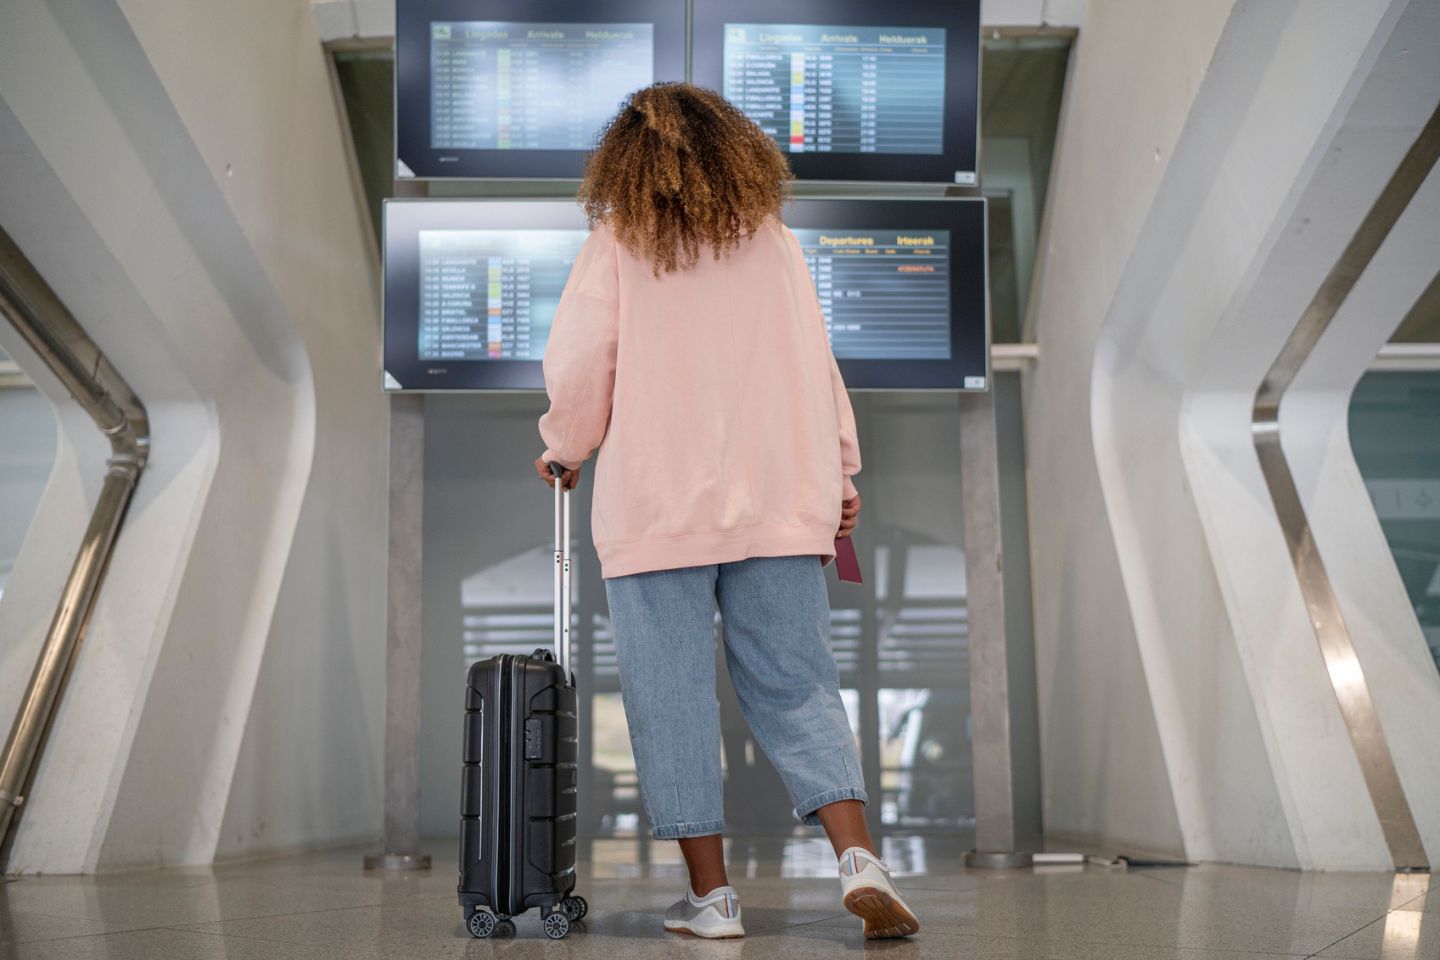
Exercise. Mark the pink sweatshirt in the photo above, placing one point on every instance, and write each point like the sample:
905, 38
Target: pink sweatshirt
724, 428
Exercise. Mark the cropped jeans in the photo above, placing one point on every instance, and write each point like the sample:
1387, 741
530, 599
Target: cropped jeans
776, 615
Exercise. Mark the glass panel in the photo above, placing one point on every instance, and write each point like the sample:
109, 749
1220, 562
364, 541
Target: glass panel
900, 639
1395, 433
1422, 323
1005, 295
1022, 80
27, 422
367, 84
616, 794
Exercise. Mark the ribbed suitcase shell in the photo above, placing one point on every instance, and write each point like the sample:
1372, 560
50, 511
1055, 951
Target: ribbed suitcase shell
518, 792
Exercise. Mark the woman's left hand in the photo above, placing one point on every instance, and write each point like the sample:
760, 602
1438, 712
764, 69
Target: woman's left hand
570, 477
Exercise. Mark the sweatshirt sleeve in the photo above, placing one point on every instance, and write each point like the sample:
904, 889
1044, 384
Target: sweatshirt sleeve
844, 414
579, 362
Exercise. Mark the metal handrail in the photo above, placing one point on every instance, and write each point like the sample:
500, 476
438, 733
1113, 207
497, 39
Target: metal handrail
49, 329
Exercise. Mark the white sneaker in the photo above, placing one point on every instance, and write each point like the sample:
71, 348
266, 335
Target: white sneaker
715, 916
870, 894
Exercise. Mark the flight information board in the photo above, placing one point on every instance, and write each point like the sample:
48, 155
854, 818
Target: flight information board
885, 294
840, 89
472, 286
520, 89
531, 86
851, 90
491, 294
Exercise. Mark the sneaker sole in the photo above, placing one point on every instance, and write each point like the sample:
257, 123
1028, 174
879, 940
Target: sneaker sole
885, 917
706, 936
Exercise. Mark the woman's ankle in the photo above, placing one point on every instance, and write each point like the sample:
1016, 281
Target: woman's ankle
844, 823
705, 861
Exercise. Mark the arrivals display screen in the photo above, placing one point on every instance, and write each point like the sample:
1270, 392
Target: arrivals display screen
846, 90
471, 288
504, 88
851, 90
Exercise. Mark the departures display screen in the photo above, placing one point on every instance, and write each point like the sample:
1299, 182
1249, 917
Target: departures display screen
472, 286
885, 294
840, 89
532, 86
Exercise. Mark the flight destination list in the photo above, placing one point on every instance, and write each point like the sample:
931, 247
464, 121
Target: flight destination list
885, 294
840, 89
491, 294
531, 86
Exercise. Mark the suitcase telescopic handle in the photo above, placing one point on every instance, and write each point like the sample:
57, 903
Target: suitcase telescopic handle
562, 570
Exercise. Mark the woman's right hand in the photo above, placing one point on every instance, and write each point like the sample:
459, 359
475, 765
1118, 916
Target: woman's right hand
849, 513
570, 477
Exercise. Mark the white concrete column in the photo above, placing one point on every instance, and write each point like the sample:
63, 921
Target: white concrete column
1164, 295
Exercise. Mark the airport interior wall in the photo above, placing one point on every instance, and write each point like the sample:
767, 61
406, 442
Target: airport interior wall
177, 173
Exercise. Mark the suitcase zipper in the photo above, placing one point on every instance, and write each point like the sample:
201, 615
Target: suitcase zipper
502, 785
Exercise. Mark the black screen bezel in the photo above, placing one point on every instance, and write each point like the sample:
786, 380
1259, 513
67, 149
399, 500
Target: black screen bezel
412, 80
964, 217
959, 160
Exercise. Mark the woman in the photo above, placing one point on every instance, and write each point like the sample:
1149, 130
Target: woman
689, 348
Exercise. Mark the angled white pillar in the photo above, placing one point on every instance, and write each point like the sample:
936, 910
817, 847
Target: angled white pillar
1164, 296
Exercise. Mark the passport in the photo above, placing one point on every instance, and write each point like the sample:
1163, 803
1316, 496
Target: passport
847, 565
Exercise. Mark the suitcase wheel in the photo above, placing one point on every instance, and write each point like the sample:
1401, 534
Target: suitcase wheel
575, 907
556, 925
481, 924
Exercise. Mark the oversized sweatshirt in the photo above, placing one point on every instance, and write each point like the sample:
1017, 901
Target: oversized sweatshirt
723, 426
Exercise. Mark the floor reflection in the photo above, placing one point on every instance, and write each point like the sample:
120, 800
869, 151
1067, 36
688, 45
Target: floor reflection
1405, 921
323, 905
773, 856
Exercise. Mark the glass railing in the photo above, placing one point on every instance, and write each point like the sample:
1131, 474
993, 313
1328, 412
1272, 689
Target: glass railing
1395, 434
27, 455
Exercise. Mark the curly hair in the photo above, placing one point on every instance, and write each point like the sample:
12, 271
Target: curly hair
680, 168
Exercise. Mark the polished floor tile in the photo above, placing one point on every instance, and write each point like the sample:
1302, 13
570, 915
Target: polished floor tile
17, 927
324, 906
163, 944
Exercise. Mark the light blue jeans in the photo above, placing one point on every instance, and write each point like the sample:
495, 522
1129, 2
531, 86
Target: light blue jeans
776, 615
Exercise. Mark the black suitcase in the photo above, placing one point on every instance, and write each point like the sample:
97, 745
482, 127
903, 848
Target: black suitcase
518, 789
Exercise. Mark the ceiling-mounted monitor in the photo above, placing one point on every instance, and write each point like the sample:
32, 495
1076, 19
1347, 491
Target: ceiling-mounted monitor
518, 89
852, 90
471, 288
